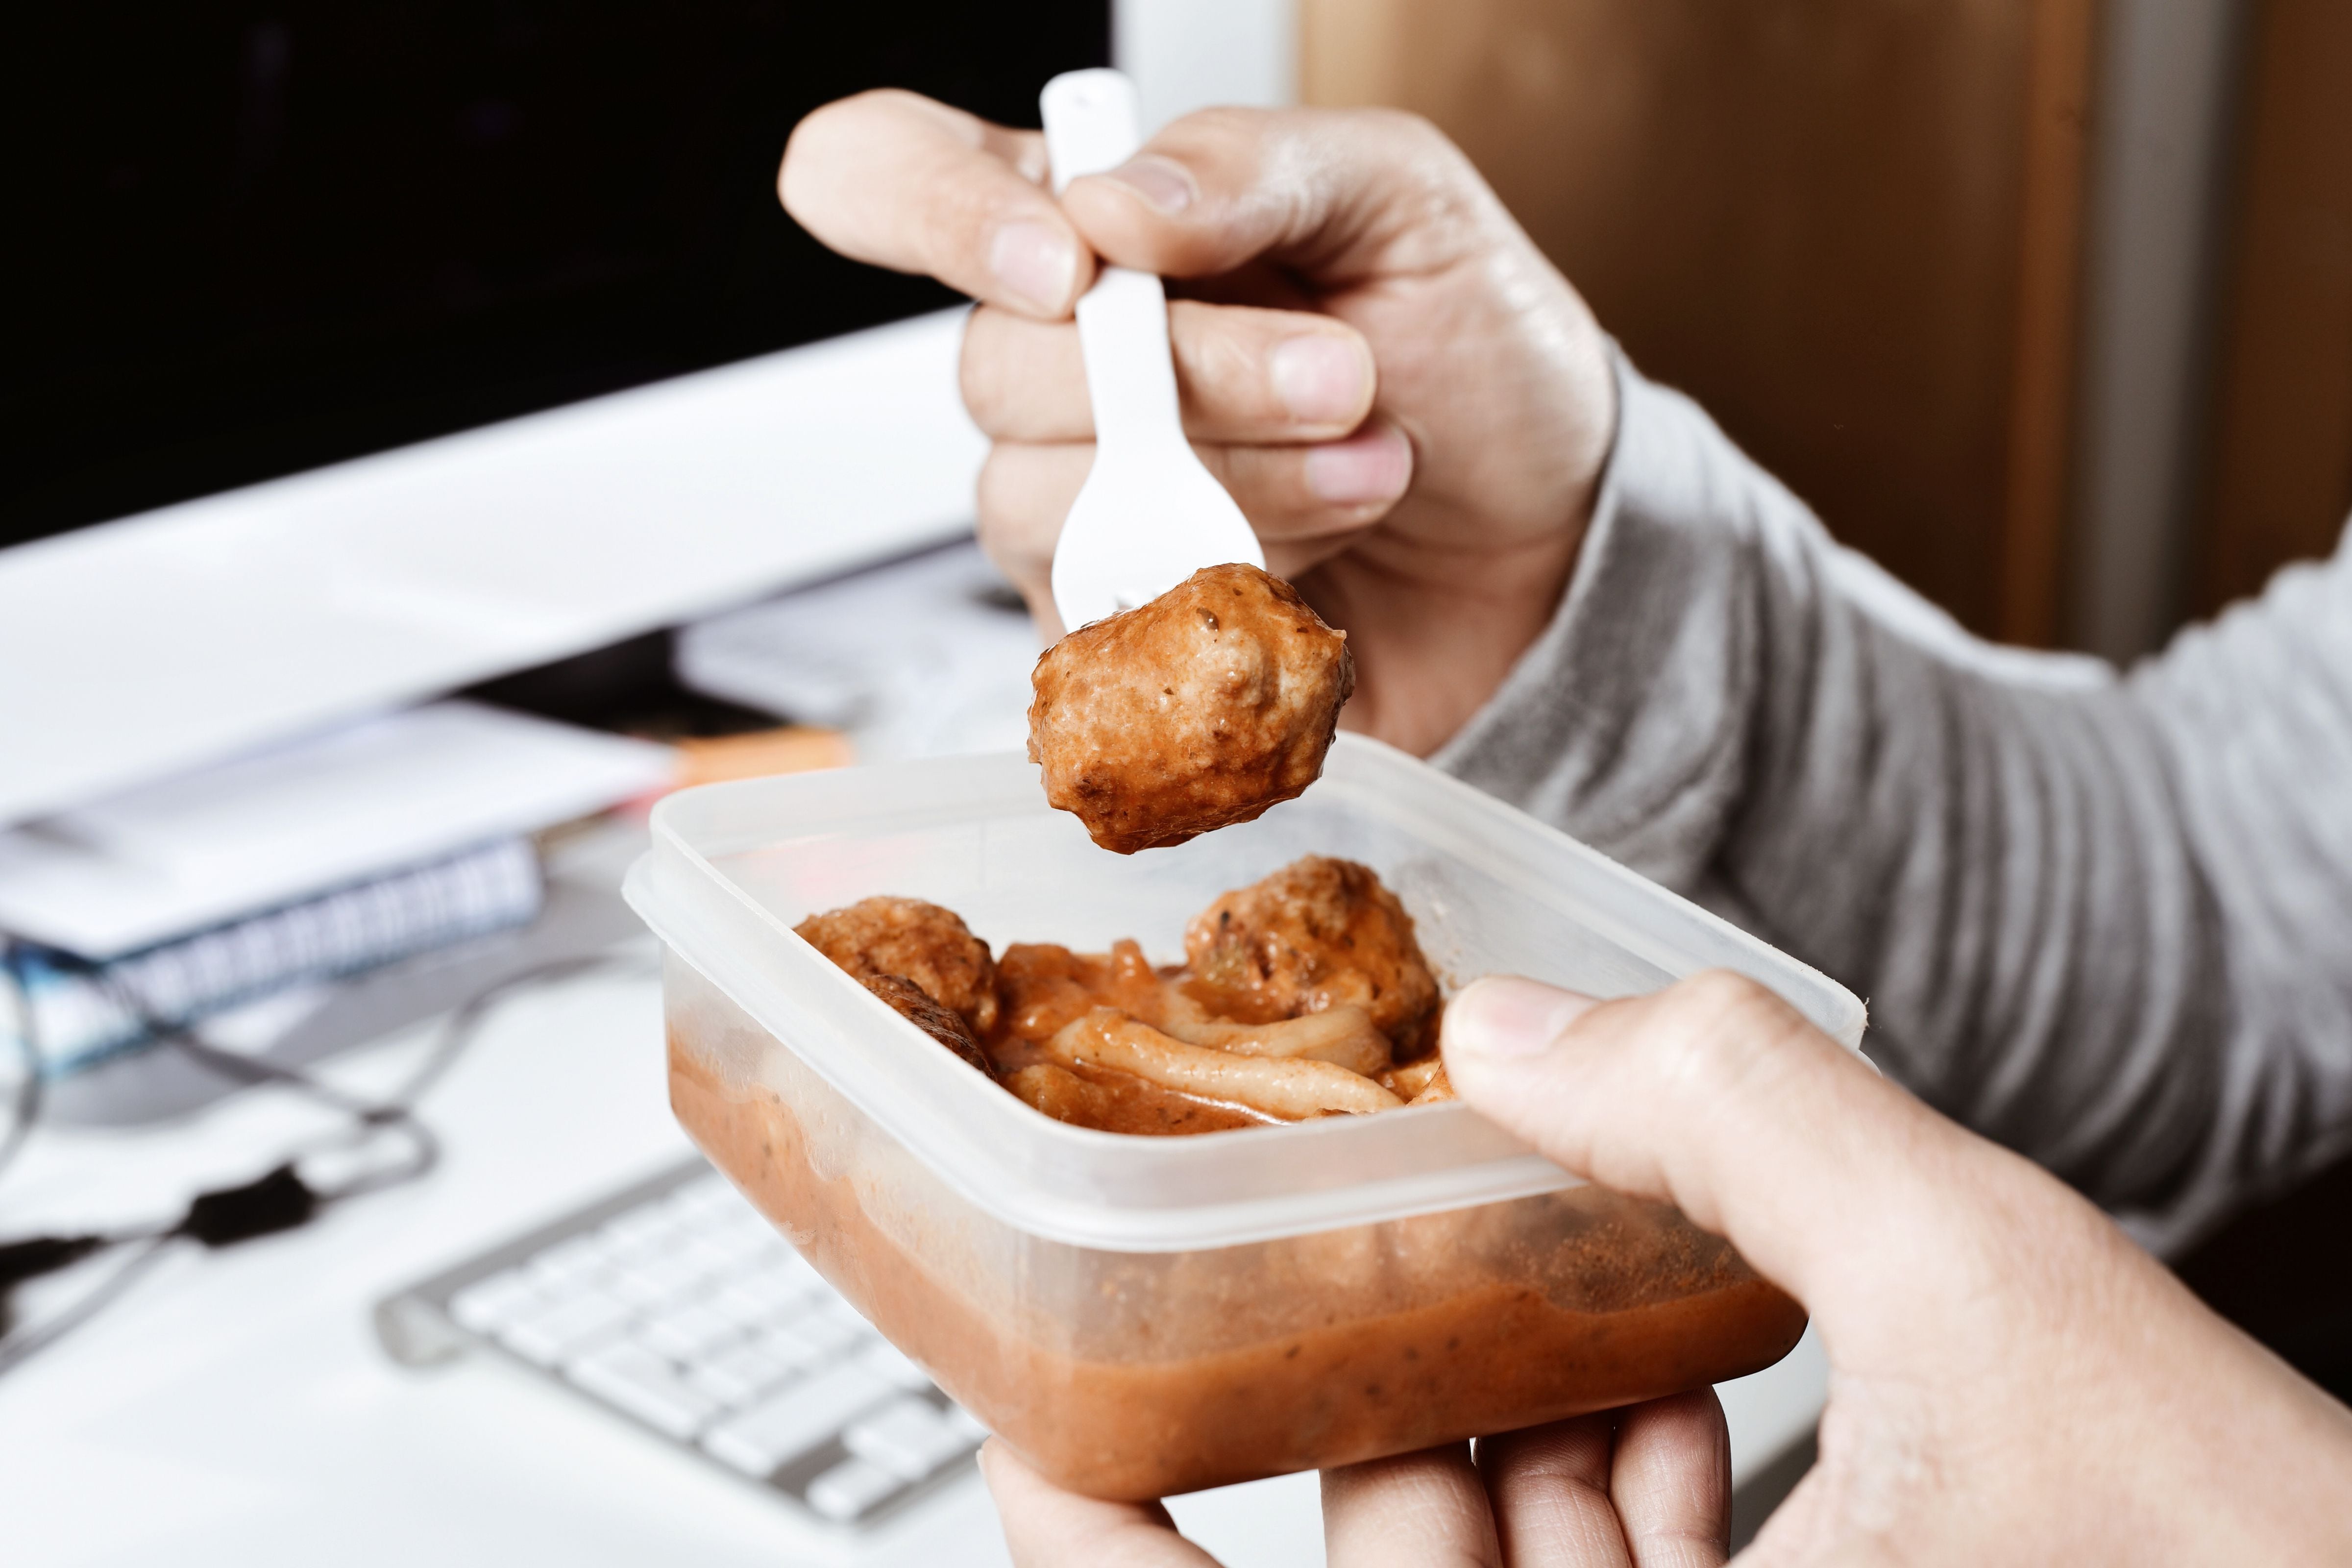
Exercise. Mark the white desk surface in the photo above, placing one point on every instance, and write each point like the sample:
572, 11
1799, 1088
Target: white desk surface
234, 1407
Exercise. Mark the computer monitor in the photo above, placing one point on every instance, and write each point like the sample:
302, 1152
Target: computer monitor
369, 351
257, 241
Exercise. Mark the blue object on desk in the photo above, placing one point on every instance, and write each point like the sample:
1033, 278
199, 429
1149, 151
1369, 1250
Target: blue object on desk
84, 1012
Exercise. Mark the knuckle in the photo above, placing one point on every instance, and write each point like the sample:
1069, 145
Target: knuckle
977, 377
1262, 480
826, 141
820, 123
860, 111
944, 234
1207, 130
806, 144
1231, 469
840, 118
1022, 494
1414, 140
1019, 378
1722, 1022
1007, 542
995, 495
1408, 126
1725, 992
999, 541
1220, 366
1433, 164
885, 98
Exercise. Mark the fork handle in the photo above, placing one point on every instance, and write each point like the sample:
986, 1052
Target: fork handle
1092, 124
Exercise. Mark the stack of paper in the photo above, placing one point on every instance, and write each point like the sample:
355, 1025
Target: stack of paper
379, 841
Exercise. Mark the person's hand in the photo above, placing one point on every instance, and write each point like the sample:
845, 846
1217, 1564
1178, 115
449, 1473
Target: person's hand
2010, 1380
1646, 1486
1408, 401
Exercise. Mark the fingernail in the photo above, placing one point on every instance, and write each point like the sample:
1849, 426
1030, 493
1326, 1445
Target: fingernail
1374, 466
1164, 183
1035, 262
1319, 378
1507, 1018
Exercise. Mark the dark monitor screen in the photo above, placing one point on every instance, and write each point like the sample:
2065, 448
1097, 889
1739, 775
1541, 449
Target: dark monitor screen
247, 240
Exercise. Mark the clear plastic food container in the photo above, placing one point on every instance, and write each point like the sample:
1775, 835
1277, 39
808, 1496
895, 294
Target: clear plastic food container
1145, 1316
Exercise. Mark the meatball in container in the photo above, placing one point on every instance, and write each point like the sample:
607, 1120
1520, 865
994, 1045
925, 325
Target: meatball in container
1141, 1316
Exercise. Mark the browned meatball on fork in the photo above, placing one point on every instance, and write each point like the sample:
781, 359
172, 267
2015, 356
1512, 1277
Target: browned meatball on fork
1197, 711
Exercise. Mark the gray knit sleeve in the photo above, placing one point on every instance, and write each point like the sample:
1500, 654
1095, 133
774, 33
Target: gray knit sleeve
2104, 920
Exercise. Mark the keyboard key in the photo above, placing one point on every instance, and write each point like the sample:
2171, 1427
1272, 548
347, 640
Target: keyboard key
849, 1489
487, 1304
789, 1348
890, 1363
965, 1422
666, 1277
701, 1250
653, 1223
739, 1375
740, 1306
650, 1290
566, 1327
580, 1257
689, 1331
690, 1314
908, 1437
794, 1419
649, 1243
646, 1386
814, 1336
784, 1282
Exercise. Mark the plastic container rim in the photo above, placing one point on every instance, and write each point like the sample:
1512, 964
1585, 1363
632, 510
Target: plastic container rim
1032, 1172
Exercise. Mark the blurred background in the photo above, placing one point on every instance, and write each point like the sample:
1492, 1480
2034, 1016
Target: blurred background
424, 440
2043, 303
277, 239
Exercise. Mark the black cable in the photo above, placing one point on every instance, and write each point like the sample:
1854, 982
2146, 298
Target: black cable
21, 1347
368, 1117
397, 1109
279, 1200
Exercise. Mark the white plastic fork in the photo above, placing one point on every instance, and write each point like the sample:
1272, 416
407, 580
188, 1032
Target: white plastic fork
1149, 515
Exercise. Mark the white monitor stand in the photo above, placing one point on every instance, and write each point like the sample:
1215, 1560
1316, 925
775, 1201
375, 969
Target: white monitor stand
179, 636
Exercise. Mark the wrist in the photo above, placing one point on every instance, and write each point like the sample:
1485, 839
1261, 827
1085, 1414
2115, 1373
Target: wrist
1433, 643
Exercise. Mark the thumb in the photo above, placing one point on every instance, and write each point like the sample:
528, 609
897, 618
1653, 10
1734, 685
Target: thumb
1718, 1096
1328, 193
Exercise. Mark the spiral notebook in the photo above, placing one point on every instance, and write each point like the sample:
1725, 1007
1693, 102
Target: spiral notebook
81, 1012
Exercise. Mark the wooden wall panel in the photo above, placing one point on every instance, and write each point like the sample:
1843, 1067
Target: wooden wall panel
1829, 220
2045, 332
2282, 474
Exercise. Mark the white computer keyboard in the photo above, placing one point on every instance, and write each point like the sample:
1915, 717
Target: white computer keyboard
677, 1305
